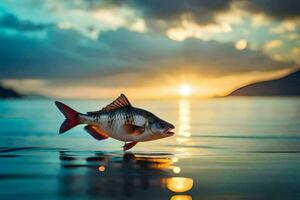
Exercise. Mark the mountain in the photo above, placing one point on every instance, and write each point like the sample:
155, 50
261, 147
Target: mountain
8, 93
286, 86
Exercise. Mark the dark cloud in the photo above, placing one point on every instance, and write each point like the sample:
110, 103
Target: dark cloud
65, 54
279, 9
160, 15
59, 55
201, 12
10, 21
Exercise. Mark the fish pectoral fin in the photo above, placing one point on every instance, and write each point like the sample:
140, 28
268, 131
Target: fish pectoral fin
133, 129
129, 145
95, 132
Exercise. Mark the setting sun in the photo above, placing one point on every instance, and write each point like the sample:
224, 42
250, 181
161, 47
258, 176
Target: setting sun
185, 90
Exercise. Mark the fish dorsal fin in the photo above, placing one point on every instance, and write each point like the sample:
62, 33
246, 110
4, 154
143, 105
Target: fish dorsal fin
120, 102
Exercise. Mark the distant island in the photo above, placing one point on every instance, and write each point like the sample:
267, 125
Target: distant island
6, 93
286, 86
9, 93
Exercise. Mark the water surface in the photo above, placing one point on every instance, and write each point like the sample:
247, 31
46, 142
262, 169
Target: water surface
233, 148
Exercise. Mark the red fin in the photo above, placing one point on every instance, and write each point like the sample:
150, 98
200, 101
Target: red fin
95, 132
71, 117
129, 145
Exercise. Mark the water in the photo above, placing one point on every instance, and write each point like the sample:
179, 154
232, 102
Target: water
227, 148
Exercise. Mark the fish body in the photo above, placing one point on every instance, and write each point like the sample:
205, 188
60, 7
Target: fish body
118, 120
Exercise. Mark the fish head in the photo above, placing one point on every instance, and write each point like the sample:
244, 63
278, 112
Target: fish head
160, 128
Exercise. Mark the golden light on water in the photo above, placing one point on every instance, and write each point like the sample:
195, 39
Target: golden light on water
176, 170
185, 90
101, 168
175, 159
179, 184
181, 197
184, 121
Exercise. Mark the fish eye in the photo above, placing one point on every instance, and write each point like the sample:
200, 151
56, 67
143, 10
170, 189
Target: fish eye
162, 125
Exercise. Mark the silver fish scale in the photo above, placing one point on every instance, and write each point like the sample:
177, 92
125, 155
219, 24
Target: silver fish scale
132, 117
113, 122
117, 123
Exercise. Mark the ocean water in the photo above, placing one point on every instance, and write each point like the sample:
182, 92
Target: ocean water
225, 148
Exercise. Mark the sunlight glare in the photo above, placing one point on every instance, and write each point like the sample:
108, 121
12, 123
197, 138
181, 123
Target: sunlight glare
176, 170
185, 90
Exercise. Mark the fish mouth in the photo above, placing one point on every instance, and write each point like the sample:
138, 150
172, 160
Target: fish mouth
170, 132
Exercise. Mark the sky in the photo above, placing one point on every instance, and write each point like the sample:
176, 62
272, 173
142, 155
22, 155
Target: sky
89, 49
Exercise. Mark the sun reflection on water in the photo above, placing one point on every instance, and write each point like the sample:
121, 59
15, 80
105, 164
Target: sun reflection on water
181, 197
179, 184
130, 171
184, 121
101, 168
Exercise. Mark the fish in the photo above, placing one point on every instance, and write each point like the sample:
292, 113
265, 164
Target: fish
118, 120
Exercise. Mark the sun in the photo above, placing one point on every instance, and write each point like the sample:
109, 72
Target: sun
185, 90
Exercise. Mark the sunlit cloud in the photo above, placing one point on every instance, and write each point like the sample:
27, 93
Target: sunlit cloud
190, 29
273, 44
241, 44
293, 36
283, 27
232, 16
277, 57
259, 20
296, 51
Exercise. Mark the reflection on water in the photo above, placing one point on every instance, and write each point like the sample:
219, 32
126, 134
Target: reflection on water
179, 184
117, 175
181, 197
184, 121
184, 118
233, 143
101, 168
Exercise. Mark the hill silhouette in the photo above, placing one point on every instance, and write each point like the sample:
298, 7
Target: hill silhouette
8, 93
285, 86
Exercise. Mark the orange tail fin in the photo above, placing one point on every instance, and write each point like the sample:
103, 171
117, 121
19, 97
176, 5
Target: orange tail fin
71, 117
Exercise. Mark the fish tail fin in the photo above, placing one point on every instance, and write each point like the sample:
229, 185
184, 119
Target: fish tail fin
71, 115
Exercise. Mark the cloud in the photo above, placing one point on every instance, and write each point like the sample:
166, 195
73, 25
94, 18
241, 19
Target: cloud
283, 27
241, 44
202, 12
89, 18
278, 9
10, 21
163, 14
158, 14
273, 44
66, 54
